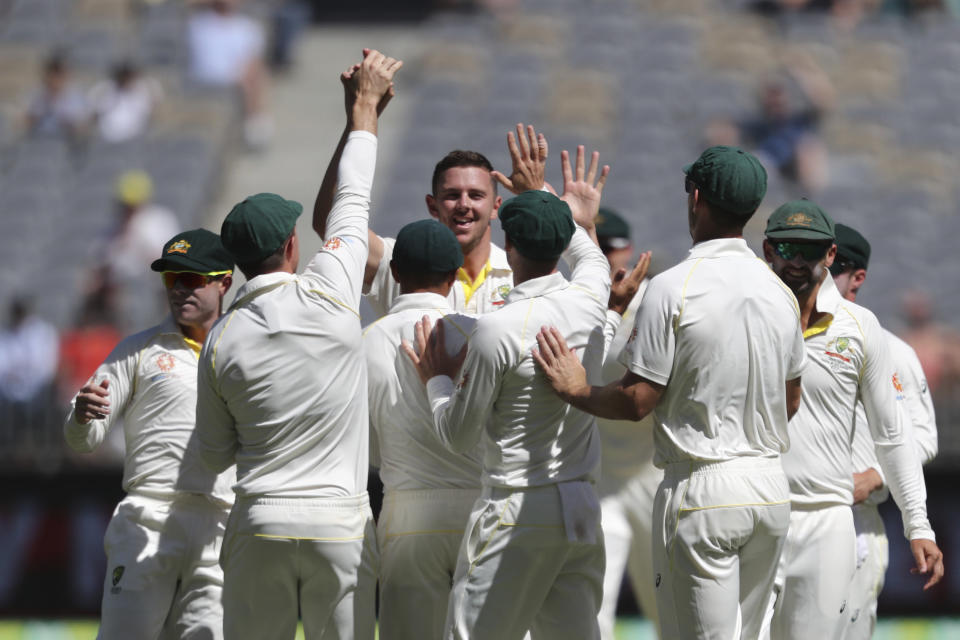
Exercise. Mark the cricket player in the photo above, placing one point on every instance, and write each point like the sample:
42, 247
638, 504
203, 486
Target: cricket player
849, 360
429, 490
277, 393
532, 555
464, 198
849, 271
164, 538
628, 478
716, 354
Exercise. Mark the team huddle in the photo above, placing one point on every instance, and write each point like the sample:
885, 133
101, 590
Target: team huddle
749, 416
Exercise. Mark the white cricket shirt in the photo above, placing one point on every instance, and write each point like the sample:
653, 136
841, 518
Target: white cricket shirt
849, 358
485, 294
920, 427
530, 436
722, 333
153, 393
282, 381
411, 454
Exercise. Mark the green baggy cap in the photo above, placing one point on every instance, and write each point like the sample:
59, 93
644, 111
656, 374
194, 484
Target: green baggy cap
800, 220
197, 250
427, 246
613, 231
255, 228
538, 224
729, 178
851, 247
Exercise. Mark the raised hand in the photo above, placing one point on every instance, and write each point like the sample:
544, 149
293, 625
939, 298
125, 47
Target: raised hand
582, 191
624, 286
528, 154
93, 401
371, 83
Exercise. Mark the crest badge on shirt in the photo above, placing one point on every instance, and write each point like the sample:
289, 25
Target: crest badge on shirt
165, 362
499, 296
333, 244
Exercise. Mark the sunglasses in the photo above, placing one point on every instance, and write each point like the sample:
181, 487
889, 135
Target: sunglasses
807, 251
188, 279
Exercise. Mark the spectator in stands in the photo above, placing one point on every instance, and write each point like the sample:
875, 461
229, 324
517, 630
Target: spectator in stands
227, 50
57, 108
937, 346
132, 245
123, 105
28, 363
785, 132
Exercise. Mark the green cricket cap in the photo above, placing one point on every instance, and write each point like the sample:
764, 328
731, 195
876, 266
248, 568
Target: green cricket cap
427, 246
800, 220
729, 178
197, 250
613, 231
538, 224
852, 247
255, 228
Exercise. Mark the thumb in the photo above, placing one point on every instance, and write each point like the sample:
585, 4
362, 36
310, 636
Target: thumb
104, 383
620, 274
502, 179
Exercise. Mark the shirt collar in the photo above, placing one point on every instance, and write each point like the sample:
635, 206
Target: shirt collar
169, 326
721, 248
421, 300
498, 259
829, 302
261, 284
537, 287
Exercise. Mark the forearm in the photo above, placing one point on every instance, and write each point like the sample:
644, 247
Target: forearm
363, 114
588, 266
355, 173
904, 477
456, 435
328, 187
613, 402
83, 438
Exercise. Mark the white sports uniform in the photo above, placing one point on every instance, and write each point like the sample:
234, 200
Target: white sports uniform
722, 333
280, 391
532, 555
872, 545
848, 358
485, 294
429, 491
164, 539
628, 484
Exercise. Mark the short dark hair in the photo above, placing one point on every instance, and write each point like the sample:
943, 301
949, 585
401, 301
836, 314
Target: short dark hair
272, 262
414, 280
460, 158
728, 220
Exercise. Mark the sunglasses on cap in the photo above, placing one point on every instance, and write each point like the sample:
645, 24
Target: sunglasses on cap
811, 252
189, 279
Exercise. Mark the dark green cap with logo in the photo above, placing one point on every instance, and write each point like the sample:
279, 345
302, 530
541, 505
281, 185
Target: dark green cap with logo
427, 246
729, 178
800, 220
255, 228
613, 231
538, 224
852, 248
197, 251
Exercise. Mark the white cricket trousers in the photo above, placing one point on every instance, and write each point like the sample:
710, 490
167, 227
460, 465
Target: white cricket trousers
530, 560
718, 532
809, 598
627, 518
312, 556
163, 580
873, 555
419, 534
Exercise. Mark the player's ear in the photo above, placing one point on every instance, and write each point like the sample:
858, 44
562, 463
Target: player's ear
225, 283
432, 206
496, 207
831, 256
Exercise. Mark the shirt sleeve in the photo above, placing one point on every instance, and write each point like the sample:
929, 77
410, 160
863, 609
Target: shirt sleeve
652, 343
216, 427
885, 417
610, 327
798, 355
461, 412
589, 268
384, 289
119, 369
339, 266
919, 403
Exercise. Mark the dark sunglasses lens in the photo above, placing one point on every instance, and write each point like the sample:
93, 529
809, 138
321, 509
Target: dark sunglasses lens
188, 280
809, 252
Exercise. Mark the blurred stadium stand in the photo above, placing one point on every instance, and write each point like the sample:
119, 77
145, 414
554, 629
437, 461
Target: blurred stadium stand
640, 80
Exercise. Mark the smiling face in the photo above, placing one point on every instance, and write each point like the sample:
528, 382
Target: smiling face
466, 202
801, 264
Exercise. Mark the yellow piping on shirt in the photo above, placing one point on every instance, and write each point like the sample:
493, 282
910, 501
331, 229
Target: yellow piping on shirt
523, 331
213, 355
470, 286
683, 295
335, 301
275, 537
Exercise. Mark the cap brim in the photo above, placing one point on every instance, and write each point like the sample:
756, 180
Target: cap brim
800, 234
686, 168
183, 263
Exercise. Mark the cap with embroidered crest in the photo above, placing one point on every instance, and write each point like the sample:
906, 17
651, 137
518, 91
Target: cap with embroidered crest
197, 251
800, 220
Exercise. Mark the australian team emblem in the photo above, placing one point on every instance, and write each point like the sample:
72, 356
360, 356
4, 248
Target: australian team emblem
799, 220
180, 246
